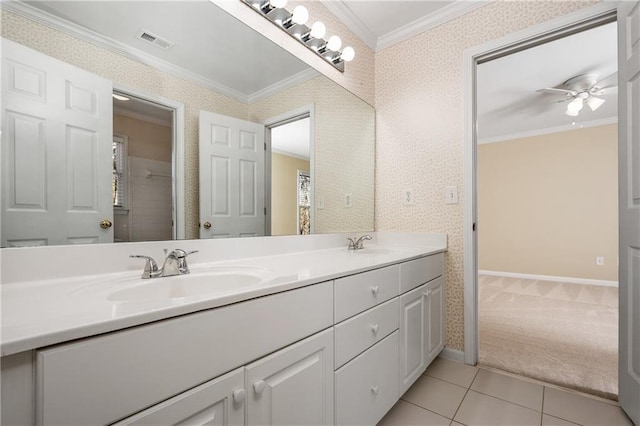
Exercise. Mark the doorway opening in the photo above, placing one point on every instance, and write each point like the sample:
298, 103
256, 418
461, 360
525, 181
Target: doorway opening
146, 146
290, 173
523, 272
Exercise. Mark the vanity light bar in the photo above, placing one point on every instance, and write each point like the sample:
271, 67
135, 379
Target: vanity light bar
312, 37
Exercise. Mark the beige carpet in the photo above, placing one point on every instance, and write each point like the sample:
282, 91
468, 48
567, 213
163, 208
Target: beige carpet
565, 334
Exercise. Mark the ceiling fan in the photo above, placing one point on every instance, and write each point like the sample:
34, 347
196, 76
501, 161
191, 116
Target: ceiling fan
583, 89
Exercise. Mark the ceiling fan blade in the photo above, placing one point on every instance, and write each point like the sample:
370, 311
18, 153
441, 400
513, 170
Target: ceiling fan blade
556, 91
594, 102
609, 81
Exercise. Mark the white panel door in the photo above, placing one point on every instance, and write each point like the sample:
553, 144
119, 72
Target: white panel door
629, 206
219, 402
56, 151
231, 177
414, 337
293, 386
435, 322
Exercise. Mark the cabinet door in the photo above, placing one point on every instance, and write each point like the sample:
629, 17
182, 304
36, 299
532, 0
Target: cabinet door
293, 386
436, 308
413, 336
214, 403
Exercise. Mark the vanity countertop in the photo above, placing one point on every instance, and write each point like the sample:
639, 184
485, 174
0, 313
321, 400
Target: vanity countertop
45, 312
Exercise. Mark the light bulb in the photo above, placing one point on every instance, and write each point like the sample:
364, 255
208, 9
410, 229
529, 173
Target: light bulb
571, 113
348, 54
334, 43
300, 15
318, 30
278, 4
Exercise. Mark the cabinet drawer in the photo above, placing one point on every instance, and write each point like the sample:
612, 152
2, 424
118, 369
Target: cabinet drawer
109, 377
356, 334
367, 386
359, 292
419, 271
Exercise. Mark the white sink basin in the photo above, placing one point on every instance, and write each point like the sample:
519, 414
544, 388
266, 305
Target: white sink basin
203, 283
374, 250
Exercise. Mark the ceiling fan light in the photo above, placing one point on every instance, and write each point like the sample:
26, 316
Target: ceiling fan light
576, 105
571, 113
595, 103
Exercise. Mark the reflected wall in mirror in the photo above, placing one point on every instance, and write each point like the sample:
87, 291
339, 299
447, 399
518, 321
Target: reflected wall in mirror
237, 73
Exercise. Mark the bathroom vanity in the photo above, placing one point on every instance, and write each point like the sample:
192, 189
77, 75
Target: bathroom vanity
323, 335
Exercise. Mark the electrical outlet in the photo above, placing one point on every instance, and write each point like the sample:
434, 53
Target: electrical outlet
407, 197
348, 201
452, 194
320, 202
600, 260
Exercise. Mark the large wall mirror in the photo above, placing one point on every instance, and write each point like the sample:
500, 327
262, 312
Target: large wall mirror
139, 121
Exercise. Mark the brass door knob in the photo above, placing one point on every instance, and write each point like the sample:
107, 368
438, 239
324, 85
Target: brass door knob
207, 225
105, 224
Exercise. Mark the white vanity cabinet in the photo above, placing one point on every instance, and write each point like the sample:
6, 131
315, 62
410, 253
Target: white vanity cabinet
421, 320
106, 378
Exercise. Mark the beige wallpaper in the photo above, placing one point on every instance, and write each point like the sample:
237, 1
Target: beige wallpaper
139, 76
145, 140
344, 150
284, 193
418, 92
548, 205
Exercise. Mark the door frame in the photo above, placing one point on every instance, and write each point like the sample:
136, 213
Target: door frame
278, 120
177, 153
556, 28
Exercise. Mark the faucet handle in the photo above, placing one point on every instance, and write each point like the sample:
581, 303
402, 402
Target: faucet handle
179, 253
150, 266
352, 244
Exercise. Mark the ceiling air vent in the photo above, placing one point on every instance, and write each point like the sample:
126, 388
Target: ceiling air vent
155, 40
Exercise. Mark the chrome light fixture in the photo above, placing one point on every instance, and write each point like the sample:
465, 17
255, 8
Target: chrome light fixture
295, 24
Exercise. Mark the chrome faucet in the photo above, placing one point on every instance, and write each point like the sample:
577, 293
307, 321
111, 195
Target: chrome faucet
175, 263
358, 244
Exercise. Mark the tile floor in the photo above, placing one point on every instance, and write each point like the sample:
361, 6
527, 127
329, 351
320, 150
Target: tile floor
452, 393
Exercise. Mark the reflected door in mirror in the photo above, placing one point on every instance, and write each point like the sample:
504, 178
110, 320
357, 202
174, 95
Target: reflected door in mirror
231, 177
56, 151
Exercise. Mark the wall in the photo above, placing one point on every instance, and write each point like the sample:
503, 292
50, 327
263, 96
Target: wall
284, 193
548, 205
343, 152
419, 128
146, 140
136, 75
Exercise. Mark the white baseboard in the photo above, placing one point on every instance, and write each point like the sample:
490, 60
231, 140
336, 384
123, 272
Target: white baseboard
452, 354
570, 280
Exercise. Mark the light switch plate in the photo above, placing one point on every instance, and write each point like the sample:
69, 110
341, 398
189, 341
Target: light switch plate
452, 194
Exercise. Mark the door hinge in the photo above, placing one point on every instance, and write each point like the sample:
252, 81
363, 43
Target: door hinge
265, 146
265, 211
474, 227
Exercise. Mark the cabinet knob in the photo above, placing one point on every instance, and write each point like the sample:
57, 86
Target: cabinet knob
239, 395
259, 386
375, 289
374, 328
374, 389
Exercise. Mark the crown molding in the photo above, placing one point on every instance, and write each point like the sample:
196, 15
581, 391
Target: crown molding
351, 20
289, 154
439, 17
340, 9
549, 130
281, 85
56, 23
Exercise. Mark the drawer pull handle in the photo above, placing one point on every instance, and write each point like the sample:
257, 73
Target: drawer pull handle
374, 390
374, 328
239, 395
375, 289
259, 386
